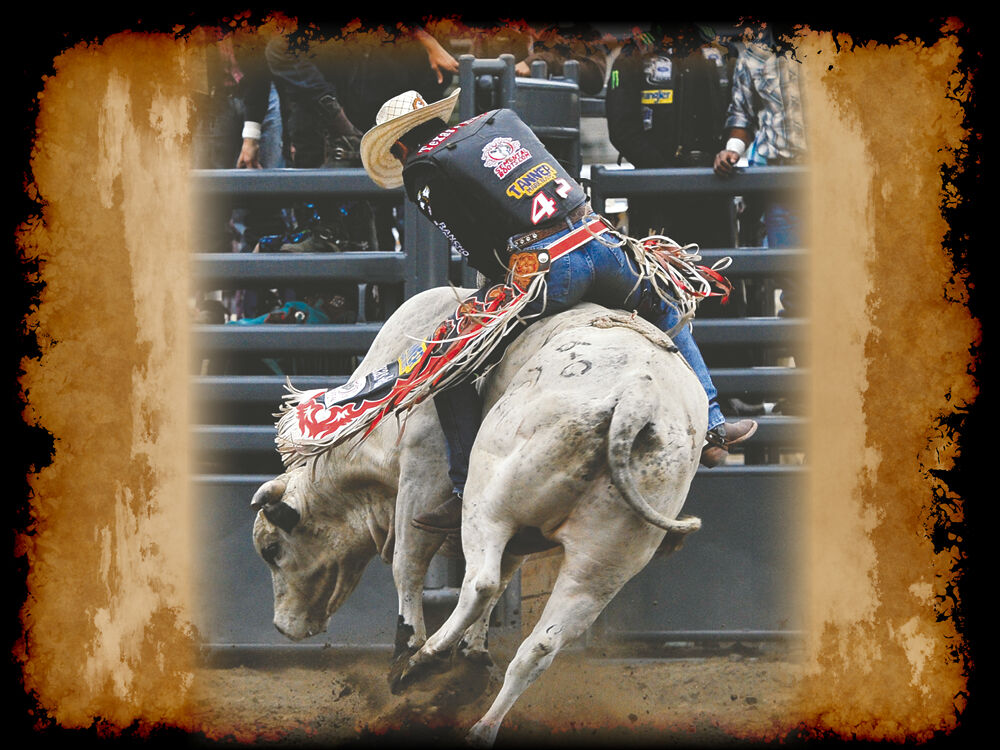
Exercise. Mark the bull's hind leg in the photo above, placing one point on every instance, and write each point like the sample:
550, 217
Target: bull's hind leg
582, 590
487, 571
472, 666
475, 639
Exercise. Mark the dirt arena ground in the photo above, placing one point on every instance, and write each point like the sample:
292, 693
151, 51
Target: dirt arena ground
720, 696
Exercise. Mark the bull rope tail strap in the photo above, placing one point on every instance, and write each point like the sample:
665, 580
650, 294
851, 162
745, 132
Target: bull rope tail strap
312, 422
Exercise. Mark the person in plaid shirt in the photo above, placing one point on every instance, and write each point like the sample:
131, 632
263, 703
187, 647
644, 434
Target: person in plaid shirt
766, 123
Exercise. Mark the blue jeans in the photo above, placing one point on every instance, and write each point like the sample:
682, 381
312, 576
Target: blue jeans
783, 230
592, 273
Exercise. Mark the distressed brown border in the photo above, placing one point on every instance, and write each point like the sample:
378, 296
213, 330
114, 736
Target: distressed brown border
895, 334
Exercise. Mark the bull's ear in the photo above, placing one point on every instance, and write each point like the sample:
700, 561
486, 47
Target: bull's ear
282, 515
268, 493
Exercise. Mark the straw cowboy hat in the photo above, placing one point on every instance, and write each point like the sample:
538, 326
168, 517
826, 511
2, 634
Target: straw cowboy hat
397, 116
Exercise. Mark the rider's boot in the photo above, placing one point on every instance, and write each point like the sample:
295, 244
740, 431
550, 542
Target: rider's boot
718, 440
444, 518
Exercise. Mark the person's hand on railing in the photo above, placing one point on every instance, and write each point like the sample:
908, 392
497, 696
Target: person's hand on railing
249, 157
728, 157
725, 162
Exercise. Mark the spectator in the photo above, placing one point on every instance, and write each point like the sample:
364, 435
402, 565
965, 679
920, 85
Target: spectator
551, 43
666, 105
555, 44
238, 113
334, 84
238, 125
766, 123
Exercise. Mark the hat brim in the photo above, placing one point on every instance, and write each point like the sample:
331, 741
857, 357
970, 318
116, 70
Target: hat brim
385, 169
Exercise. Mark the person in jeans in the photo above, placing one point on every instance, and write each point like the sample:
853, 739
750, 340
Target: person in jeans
766, 123
505, 203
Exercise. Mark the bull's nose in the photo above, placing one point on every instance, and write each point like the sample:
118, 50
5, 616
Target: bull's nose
294, 636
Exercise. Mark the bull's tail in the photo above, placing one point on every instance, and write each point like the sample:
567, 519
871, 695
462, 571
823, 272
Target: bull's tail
629, 417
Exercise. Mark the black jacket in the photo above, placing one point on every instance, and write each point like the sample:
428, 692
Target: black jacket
666, 109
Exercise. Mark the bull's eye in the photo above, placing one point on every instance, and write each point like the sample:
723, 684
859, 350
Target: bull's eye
270, 553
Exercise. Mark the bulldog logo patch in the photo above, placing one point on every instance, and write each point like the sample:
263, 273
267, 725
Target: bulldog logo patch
504, 154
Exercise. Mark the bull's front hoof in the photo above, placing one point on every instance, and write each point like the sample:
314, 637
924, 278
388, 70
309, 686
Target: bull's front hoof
397, 668
415, 669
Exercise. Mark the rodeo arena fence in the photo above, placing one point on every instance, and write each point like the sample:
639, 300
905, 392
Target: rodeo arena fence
732, 583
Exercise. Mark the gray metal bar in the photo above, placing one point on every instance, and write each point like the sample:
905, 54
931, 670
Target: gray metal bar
228, 270
256, 388
233, 438
357, 338
446, 595
273, 339
571, 71
555, 131
508, 81
756, 261
270, 388
233, 481
469, 67
221, 655
608, 183
592, 106
749, 331
779, 430
233, 187
783, 380
722, 474
748, 262
236, 185
746, 481
239, 438
467, 86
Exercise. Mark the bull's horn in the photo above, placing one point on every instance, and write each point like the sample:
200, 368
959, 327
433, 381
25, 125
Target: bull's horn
282, 515
268, 493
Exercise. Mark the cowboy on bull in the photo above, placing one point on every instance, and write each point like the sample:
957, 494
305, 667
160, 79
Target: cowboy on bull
506, 204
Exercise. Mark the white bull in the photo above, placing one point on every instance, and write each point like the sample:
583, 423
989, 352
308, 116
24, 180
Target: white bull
593, 430
322, 523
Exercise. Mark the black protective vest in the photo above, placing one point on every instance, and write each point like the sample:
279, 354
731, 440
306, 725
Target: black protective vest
487, 179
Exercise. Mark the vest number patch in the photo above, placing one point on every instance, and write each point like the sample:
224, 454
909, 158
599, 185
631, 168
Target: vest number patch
542, 208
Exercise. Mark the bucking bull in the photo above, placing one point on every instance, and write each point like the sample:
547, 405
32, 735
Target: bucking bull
592, 431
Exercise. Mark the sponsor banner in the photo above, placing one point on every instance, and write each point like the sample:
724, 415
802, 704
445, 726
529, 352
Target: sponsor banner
532, 181
657, 96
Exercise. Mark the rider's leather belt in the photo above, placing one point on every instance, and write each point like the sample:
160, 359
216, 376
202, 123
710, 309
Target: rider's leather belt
524, 266
529, 238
